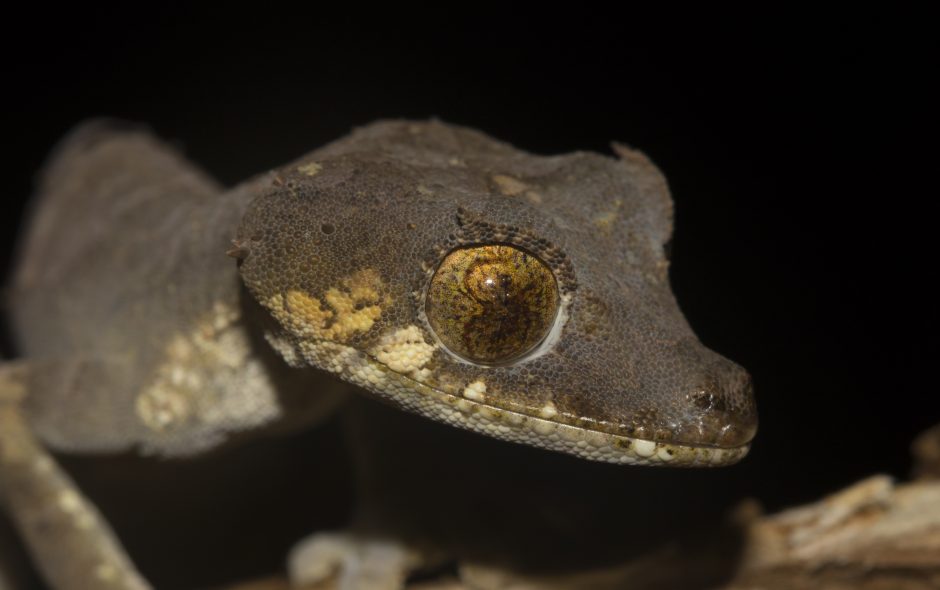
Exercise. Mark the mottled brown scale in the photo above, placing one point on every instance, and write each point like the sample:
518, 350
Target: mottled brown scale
493, 303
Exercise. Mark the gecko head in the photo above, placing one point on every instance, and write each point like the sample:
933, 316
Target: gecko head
519, 296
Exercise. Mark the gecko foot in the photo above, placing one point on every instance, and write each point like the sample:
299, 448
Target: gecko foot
352, 562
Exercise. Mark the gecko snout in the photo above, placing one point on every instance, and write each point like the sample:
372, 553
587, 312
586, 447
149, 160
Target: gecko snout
721, 407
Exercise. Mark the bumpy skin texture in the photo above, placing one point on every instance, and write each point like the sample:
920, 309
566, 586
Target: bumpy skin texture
342, 246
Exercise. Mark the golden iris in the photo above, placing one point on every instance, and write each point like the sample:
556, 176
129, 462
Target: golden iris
492, 304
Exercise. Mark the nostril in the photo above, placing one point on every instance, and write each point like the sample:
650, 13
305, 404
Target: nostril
722, 408
708, 401
726, 390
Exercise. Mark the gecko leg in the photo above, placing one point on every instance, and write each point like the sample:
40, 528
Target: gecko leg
73, 547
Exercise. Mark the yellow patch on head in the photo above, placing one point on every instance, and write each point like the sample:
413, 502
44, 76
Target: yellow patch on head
302, 313
352, 308
310, 169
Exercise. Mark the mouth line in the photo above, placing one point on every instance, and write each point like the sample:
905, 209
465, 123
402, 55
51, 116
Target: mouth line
513, 426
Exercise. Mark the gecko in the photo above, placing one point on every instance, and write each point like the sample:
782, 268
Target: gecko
425, 265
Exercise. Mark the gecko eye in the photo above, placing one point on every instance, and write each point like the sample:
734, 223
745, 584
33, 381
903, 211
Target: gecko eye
491, 304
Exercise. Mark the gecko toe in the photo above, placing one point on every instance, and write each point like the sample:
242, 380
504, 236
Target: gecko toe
350, 562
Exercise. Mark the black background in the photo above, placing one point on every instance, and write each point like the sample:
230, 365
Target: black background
800, 152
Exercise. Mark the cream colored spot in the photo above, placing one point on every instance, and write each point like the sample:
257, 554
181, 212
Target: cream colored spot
209, 380
422, 375
548, 411
509, 186
310, 169
404, 351
644, 448
475, 391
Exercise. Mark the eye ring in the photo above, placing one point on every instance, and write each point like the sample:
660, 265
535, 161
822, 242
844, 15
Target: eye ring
492, 304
